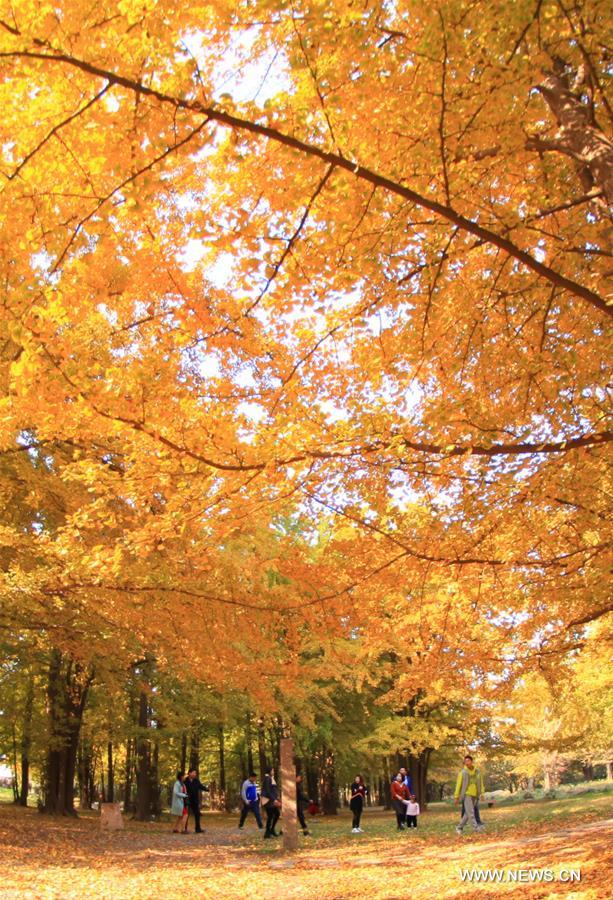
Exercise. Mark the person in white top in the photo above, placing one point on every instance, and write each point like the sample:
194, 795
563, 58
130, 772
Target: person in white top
412, 811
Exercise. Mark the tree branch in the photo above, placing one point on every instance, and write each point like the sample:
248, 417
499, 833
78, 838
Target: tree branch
360, 172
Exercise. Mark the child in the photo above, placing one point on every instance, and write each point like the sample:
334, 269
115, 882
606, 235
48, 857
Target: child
412, 811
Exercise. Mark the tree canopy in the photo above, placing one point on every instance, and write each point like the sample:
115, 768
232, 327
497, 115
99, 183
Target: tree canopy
304, 340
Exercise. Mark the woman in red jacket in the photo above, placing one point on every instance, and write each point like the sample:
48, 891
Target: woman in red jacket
399, 795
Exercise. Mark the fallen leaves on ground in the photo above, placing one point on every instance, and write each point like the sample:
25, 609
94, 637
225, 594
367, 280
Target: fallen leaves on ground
46, 857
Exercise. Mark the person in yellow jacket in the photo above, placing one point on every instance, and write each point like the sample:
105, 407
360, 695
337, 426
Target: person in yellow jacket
468, 790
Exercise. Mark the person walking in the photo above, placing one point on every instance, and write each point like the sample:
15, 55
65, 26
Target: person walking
356, 803
477, 812
250, 796
399, 797
193, 785
468, 790
178, 802
270, 801
302, 802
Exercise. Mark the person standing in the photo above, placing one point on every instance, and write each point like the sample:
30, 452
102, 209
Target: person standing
406, 780
412, 811
356, 803
399, 797
250, 796
179, 799
301, 804
193, 786
468, 790
270, 801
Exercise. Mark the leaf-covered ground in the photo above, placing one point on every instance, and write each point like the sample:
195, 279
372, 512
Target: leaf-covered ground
63, 858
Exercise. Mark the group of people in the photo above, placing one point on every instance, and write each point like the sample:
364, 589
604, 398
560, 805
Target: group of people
268, 799
404, 802
185, 800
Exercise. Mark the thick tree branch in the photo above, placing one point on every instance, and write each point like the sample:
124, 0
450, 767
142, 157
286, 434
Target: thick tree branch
361, 172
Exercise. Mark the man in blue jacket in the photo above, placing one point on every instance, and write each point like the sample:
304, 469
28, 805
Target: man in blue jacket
250, 796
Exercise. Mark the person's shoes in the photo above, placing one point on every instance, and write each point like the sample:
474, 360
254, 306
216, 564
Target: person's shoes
459, 830
361, 830
267, 835
199, 830
305, 832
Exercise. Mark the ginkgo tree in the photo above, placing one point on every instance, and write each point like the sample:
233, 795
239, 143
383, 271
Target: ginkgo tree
339, 264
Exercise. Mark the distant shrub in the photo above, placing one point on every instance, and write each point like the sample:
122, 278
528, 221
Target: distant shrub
528, 795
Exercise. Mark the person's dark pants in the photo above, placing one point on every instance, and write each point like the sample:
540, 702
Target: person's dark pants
254, 807
411, 821
300, 814
401, 812
195, 811
476, 808
272, 817
356, 807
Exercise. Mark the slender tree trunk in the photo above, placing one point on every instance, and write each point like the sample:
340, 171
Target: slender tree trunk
26, 742
194, 750
183, 751
223, 793
261, 748
143, 761
312, 782
327, 780
249, 742
15, 779
110, 773
155, 792
387, 784
418, 770
128, 805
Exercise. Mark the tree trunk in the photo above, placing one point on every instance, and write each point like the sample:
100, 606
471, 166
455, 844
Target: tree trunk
387, 784
588, 772
579, 136
327, 781
110, 774
128, 805
194, 750
143, 762
67, 690
15, 779
223, 793
85, 774
418, 770
155, 791
312, 782
261, 748
183, 751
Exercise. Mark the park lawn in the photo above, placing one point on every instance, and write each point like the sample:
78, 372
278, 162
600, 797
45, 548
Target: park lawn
65, 858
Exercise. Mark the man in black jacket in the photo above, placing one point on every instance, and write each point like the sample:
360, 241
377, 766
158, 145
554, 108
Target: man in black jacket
193, 786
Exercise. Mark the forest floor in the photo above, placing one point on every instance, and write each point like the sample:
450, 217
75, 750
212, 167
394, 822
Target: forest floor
44, 857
